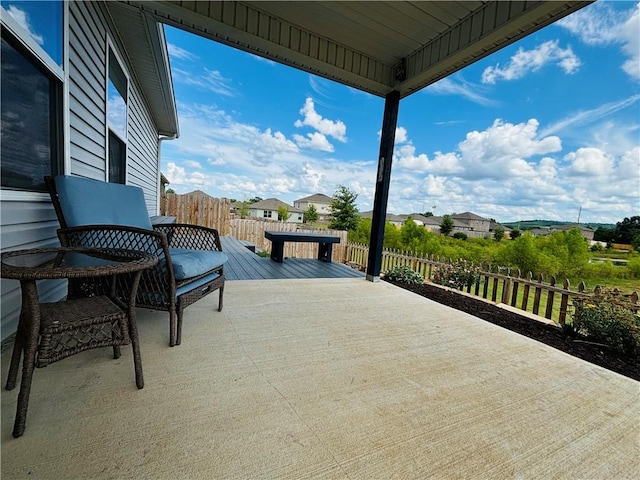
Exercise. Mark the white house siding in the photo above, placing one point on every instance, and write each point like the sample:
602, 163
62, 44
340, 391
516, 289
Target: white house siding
28, 219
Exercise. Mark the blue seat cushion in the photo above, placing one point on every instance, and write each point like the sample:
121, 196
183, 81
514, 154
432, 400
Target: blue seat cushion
92, 202
191, 263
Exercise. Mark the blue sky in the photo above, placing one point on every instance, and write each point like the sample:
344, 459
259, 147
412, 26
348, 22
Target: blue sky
547, 126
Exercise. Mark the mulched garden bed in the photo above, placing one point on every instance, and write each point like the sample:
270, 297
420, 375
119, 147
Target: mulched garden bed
547, 334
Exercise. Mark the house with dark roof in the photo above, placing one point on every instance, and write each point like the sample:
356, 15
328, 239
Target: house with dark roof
268, 209
320, 201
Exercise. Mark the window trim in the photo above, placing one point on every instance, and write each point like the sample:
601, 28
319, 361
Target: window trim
116, 54
22, 36
23, 43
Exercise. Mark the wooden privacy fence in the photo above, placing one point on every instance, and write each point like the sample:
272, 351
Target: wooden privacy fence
198, 209
495, 283
252, 230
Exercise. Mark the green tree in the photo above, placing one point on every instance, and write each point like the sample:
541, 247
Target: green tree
311, 214
627, 230
283, 213
446, 226
498, 234
170, 190
515, 233
524, 253
412, 235
254, 200
603, 234
343, 209
243, 211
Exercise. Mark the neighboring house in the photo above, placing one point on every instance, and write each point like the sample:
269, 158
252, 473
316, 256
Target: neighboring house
587, 232
93, 97
468, 223
269, 209
320, 201
471, 222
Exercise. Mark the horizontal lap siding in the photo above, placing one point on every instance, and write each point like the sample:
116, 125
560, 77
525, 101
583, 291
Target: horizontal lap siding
142, 149
26, 224
87, 90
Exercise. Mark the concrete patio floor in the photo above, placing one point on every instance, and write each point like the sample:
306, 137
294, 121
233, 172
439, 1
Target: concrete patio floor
325, 378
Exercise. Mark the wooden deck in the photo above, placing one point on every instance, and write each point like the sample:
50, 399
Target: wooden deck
246, 265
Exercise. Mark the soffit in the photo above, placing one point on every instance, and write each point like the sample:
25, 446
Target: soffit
145, 45
377, 46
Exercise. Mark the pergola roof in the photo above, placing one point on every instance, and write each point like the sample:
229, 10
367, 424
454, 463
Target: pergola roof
377, 46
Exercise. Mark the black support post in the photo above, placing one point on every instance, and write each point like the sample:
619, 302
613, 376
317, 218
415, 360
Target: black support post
389, 123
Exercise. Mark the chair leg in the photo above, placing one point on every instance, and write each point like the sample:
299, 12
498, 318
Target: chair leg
220, 298
179, 329
172, 327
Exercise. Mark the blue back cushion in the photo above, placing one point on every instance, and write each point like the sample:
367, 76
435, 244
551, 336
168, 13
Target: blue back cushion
93, 202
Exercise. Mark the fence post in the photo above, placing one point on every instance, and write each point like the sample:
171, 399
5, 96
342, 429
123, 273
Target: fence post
550, 296
525, 292
564, 301
536, 296
506, 290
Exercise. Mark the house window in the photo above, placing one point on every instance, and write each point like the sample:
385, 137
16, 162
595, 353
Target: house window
266, 213
117, 88
31, 94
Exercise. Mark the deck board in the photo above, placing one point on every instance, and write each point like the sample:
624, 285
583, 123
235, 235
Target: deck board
246, 265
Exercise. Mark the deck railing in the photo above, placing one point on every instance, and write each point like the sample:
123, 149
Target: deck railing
498, 284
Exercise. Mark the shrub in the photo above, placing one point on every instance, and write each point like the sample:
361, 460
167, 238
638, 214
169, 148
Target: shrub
403, 274
610, 319
458, 274
460, 235
633, 267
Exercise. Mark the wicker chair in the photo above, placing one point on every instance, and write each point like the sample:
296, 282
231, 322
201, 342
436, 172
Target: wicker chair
98, 214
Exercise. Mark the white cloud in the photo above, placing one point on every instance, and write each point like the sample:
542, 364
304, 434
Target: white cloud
472, 92
506, 171
590, 161
401, 135
336, 129
629, 166
241, 161
526, 61
630, 33
177, 52
600, 24
501, 150
192, 164
585, 117
211, 80
314, 141
22, 18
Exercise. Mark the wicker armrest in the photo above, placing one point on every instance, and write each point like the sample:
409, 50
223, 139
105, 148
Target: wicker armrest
194, 237
115, 236
158, 279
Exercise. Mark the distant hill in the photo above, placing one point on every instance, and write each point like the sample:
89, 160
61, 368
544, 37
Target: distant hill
529, 224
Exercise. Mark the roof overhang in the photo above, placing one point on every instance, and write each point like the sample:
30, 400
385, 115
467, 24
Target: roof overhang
144, 42
376, 46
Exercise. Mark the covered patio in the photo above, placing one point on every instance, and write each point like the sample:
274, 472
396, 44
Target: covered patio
325, 378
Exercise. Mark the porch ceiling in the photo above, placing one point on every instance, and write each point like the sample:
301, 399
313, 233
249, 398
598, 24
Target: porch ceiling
372, 46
